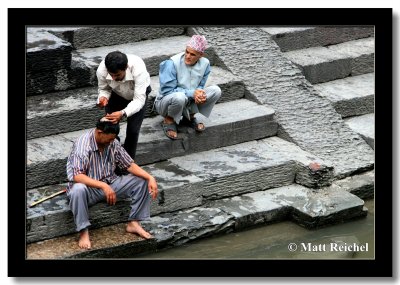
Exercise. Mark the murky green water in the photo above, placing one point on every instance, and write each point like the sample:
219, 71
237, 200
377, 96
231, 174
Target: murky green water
354, 239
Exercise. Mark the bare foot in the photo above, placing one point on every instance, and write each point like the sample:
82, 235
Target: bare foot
134, 227
84, 241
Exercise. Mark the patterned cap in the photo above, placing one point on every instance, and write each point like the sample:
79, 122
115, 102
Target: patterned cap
197, 43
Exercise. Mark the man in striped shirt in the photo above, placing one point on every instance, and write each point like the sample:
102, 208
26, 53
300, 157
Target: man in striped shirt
91, 171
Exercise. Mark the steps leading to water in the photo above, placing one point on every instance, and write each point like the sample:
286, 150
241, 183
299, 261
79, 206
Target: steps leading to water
192, 180
293, 202
236, 174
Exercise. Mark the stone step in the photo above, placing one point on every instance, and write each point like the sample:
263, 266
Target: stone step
73, 110
364, 125
350, 96
47, 58
151, 51
289, 39
90, 37
322, 64
230, 123
191, 181
304, 117
302, 205
81, 71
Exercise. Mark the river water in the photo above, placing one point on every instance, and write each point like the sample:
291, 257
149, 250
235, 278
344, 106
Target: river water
284, 240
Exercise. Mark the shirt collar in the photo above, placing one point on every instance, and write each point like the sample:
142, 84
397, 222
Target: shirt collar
128, 76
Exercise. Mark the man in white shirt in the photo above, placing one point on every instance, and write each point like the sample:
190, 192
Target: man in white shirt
123, 85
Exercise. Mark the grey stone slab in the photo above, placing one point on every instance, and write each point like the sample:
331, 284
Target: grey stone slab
364, 125
311, 172
362, 185
361, 52
297, 38
61, 112
90, 37
350, 96
73, 110
48, 59
304, 118
322, 64
307, 207
319, 65
46, 161
252, 121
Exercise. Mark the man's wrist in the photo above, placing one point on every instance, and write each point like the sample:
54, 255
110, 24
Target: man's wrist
123, 114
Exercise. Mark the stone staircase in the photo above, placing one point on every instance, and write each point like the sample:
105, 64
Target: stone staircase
290, 137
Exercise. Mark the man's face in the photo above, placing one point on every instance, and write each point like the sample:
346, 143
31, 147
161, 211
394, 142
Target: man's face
191, 56
118, 76
105, 139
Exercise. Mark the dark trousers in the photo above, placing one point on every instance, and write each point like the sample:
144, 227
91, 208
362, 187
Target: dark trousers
117, 103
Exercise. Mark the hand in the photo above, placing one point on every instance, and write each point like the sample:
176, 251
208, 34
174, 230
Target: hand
115, 117
103, 101
153, 188
199, 96
111, 197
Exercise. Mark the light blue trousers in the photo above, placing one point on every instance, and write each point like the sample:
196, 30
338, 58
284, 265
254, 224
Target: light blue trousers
177, 104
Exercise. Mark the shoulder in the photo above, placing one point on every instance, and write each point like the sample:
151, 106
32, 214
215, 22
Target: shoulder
204, 61
101, 69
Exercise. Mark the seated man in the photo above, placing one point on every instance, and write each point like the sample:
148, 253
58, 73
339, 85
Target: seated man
91, 172
182, 93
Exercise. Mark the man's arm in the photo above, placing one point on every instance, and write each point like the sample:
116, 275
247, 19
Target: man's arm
103, 89
138, 171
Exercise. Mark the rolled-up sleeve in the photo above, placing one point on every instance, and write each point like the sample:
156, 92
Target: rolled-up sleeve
104, 88
77, 164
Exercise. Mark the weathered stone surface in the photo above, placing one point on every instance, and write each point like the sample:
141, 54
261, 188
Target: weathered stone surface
304, 117
365, 126
48, 60
361, 185
217, 217
290, 39
322, 64
350, 96
90, 37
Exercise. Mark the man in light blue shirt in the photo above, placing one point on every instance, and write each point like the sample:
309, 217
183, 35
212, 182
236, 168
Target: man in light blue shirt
182, 88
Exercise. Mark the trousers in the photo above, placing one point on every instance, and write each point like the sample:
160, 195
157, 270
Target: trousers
134, 122
82, 197
177, 104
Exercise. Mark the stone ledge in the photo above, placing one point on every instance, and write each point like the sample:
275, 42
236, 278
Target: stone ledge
302, 205
322, 64
351, 96
289, 39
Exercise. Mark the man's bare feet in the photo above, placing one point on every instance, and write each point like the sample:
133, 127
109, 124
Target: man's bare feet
84, 241
134, 227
